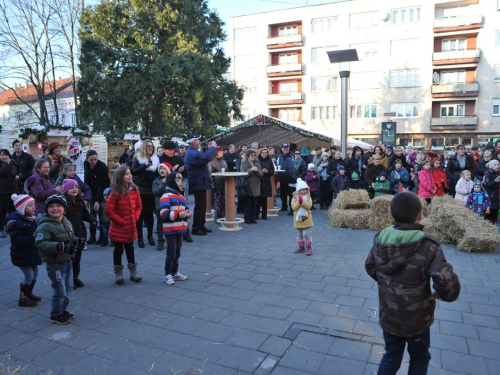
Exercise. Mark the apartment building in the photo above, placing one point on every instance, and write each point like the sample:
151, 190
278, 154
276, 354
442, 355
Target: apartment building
431, 67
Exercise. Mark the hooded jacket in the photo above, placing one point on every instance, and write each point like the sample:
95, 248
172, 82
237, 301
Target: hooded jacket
480, 202
402, 261
463, 189
23, 251
87, 193
172, 203
40, 187
123, 211
49, 234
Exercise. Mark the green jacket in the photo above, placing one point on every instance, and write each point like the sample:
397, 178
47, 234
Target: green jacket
386, 188
49, 234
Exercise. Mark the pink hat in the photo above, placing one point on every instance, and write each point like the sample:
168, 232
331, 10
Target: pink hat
68, 183
21, 201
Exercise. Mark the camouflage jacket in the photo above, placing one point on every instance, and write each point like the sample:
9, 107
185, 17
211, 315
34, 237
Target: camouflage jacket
402, 261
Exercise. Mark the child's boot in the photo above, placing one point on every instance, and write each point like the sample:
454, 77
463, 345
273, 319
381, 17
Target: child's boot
132, 267
160, 245
309, 248
24, 300
301, 248
31, 296
119, 275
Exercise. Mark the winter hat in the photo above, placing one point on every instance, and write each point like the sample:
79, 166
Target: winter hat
90, 153
310, 165
21, 201
490, 146
339, 167
435, 160
478, 183
165, 165
382, 174
324, 154
491, 163
354, 176
56, 198
53, 145
168, 145
301, 184
171, 183
68, 183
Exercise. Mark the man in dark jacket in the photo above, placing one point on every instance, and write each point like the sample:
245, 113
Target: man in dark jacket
25, 162
368, 154
177, 164
284, 159
231, 157
97, 177
403, 261
199, 181
458, 163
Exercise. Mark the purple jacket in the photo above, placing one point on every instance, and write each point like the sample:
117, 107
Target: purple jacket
40, 188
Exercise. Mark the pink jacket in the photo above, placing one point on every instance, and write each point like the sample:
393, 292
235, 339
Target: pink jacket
425, 184
463, 189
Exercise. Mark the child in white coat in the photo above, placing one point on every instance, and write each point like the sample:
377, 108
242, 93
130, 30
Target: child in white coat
464, 186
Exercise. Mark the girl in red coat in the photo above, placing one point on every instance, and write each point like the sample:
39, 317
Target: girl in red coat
426, 186
123, 209
439, 177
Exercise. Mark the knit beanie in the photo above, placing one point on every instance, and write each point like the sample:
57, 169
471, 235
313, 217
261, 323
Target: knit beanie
339, 167
20, 202
310, 165
68, 183
491, 163
165, 165
354, 176
382, 174
478, 183
324, 154
301, 184
56, 198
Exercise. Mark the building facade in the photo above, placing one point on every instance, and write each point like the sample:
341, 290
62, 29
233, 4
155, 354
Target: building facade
432, 68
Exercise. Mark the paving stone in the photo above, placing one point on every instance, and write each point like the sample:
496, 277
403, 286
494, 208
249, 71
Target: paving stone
341, 366
32, 349
59, 358
242, 359
490, 350
246, 339
441, 341
314, 342
480, 320
259, 324
110, 347
305, 317
276, 312
336, 323
275, 345
302, 360
463, 363
323, 308
458, 329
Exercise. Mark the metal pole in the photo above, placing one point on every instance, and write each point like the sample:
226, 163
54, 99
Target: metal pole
344, 75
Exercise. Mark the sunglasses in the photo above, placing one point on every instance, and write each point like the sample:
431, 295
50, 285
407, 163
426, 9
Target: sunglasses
297, 153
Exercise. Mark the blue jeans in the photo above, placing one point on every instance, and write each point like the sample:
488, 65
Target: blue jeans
174, 245
105, 230
61, 275
418, 348
30, 274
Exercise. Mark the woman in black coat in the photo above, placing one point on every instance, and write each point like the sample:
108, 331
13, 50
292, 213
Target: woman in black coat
458, 163
356, 163
492, 187
9, 177
266, 188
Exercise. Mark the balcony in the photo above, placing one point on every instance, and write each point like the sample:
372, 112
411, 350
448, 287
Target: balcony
451, 90
467, 22
285, 98
284, 41
454, 123
456, 57
282, 70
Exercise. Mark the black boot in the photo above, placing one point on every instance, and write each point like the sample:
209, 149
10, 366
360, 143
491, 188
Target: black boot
151, 241
93, 231
31, 296
187, 236
160, 245
77, 283
104, 242
140, 241
24, 300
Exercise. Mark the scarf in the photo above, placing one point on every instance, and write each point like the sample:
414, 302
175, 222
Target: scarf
296, 163
301, 211
359, 158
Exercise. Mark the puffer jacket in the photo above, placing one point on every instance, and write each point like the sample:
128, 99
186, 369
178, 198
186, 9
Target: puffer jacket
123, 211
77, 214
23, 251
402, 261
25, 163
144, 175
8, 173
49, 233
266, 189
399, 176
40, 188
215, 166
307, 204
463, 189
340, 183
253, 178
172, 203
383, 160
453, 169
492, 187
372, 173
426, 184
87, 193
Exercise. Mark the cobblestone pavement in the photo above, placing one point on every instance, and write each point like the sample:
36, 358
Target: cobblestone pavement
250, 306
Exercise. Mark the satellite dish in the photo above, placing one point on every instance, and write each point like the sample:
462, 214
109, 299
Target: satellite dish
436, 77
384, 16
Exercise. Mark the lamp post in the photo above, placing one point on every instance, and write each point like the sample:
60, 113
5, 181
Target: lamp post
346, 55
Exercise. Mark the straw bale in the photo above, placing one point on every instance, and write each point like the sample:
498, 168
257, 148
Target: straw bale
351, 199
483, 239
353, 218
381, 216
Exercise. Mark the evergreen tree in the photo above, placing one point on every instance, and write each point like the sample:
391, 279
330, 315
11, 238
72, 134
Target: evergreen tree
155, 64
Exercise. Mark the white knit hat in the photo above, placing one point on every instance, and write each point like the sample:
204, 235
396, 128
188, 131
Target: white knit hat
491, 163
301, 184
21, 201
310, 165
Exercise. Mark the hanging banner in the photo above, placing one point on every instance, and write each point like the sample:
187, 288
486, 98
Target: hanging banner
25, 145
389, 133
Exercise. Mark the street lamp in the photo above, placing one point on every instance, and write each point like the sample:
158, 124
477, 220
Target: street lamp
345, 55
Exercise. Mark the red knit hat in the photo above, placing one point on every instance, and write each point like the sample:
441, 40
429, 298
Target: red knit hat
165, 164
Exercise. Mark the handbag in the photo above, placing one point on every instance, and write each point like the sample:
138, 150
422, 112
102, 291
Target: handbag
245, 190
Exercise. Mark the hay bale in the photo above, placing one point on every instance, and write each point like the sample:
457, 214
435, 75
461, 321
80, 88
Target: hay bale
433, 231
482, 239
380, 217
351, 199
354, 218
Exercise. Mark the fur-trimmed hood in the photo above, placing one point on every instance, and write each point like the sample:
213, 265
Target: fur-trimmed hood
154, 158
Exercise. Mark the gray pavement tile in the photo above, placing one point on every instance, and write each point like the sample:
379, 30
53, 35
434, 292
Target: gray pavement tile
109, 347
336, 323
145, 334
212, 314
59, 358
341, 290
139, 356
258, 324
364, 293
360, 284
349, 300
13, 366
81, 339
455, 306
241, 274
215, 332
11, 338
294, 303
314, 342
301, 359
448, 315
493, 366
341, 366
349, 349
34, 348
206, 350
184, 308
311, 276
311, 285
157, 318
323, 308
481, 349
288, 371
232, 304
88, 319
90, 364
294, 292
489, 334
120, 369
442, 341
352, 312
262, 278
480, 320
246, 284
320, 296
471, 281
305, 317
275, 345
33, 323
267, 365
485, 309
186, 324
468, 364
242, 359
270, 298
115, 326
277, 312
287, 281
458, 329
367, 328
480, 290
475, 298
193, 296
494, 300
246, 339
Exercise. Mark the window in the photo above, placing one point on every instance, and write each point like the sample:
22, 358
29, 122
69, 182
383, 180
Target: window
247, 114
404, 78
451, 141
405, 15
322, 25
245, 34
323, 113
289, 114
452, 110
323, 83
73, 119
496, 107
319, 55
404, 141
63, 119
361, 20
287, 87
363, 111
454, 44
366, 51
404, 110
288, 30
452, 77
437, 142
496, 72
19, 116
288, 58
53, 119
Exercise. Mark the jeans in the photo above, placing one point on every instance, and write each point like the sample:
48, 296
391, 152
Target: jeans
105, 230
418, 348
174, 245
61, 275
30, 274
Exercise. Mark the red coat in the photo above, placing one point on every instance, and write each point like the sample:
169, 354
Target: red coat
123, 211
437, 176
426, 184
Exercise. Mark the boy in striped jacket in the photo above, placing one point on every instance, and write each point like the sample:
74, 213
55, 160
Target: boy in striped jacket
174, 213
